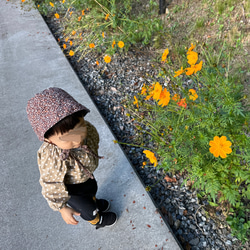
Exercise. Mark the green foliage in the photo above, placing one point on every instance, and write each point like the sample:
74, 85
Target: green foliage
104, 22
238, 222
181, 136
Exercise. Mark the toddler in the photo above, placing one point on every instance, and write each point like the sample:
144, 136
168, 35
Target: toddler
68, 157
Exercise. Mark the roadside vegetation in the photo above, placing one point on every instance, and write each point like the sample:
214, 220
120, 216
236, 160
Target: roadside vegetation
201, 130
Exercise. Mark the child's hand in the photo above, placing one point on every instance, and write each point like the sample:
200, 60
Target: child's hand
67, 214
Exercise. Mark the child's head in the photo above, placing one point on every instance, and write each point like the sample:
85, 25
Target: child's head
56, 117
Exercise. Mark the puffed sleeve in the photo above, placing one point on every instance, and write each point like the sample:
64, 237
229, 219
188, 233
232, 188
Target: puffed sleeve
93, 137
52, 173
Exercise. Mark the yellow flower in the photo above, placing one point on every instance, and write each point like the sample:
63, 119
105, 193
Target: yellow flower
103, 34
66, 39
164, 98
106, 17
220, 147
120, 44
113, 44
115, 141
136, 102
57, 15
64, 46
193, 95
91, 45
63, 1
51, 4
70, 43
151, 156
157, 91
107, 59
192, 57
179, 72
164, 55
38, 5
73, 32
71, 52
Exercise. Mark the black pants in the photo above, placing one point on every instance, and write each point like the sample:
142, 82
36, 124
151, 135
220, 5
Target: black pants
83, 199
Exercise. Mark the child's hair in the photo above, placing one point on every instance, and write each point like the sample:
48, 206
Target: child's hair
66, 124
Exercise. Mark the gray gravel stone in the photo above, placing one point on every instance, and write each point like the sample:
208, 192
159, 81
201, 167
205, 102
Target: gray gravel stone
194, 242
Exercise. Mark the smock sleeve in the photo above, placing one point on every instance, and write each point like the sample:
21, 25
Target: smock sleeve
52, 173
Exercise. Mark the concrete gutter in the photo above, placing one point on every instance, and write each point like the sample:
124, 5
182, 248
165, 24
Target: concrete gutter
30, 61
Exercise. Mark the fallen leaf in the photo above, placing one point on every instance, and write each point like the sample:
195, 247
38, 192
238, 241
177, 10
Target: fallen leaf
169, 179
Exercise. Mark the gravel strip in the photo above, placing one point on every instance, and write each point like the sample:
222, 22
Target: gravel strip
109, 86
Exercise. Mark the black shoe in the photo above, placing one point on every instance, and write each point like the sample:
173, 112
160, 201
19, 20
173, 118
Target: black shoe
102, 205
106, 220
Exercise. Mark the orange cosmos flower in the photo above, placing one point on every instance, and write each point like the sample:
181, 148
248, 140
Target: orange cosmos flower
106, 17
66, 39
191, 48
103, 34
51, 4
71, 52
198, 67
97, 63
107, 59
176, 97
79, 18
120, 44
220, 147
70, 13
192, 57
164, 55
190, 70
23, 1
164, 98
157, 91
193, 95
193, 69
113, 44
143, 89
136, 102
91, 45
70, 43
57, 15
64, 46
73, 32
83, 12
151, 156
182, 103
179, 72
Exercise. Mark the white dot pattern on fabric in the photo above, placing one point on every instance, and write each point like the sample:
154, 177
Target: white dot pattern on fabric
54, 173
